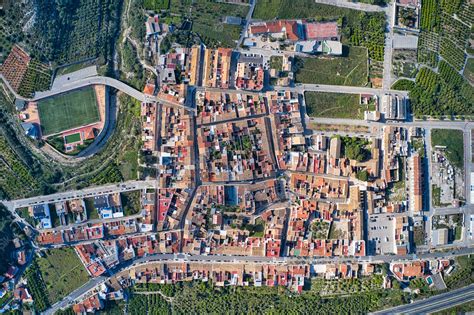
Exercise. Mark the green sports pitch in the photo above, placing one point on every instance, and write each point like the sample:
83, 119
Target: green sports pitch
69, 110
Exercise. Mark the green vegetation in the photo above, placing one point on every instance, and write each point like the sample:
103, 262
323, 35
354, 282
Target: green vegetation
201, 298
156, 5
37, 287
15, 176
67, 111
73, 138
76, 30
458, 309
445, 93
207, 20
403, 85
152, 304
469, 70
351, 69
419, 146
419, 235
276, 62
363, 175
37, 78
320, 229
133, 72
131, 202
62, 272
346, 286
436, 193
92, 213
333, 105
358, 28
74, 67
463, 274
6, 237
355, 148
429, 15
453, 141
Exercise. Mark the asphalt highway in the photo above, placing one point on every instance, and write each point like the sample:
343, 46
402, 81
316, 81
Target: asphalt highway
435, 303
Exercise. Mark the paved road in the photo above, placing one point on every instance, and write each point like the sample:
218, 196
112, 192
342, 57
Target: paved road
84, 193
388, 49
301, 88
460, 125
435, 303
100, 80
248, 18
94, 283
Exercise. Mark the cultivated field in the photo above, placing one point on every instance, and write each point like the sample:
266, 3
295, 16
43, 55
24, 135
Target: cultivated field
67, 111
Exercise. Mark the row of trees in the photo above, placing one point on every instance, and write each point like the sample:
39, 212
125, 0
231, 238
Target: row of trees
445, 93
37, 287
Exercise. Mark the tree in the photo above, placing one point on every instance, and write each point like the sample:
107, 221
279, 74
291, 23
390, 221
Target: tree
363, 175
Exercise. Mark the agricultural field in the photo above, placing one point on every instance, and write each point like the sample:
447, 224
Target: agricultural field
37, 78
37, 287
156, 5
74, 32
443, 94
67, 111
12, 19
207, 18
469, 70
15, 176
152, 304
346, 286
62, 272
351, 69
403, 85
358, 29
429, 15
333, 105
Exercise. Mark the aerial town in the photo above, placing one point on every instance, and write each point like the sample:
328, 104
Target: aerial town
244, 174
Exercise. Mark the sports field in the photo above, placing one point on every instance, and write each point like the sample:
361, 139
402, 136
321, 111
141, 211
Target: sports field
75, 137
67, 111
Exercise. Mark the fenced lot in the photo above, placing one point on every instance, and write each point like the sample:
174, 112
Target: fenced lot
69, 110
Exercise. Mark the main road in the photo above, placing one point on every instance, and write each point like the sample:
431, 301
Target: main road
183, 258
84, 193
434, 304
99, 80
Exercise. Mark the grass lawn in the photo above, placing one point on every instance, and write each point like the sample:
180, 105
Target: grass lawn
75, 137
333, 105
469, 70
62, 272
67, 111
207, 19
350, 69
454, 143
